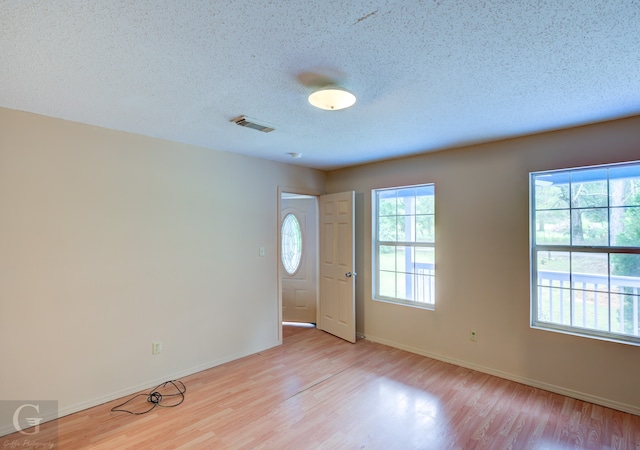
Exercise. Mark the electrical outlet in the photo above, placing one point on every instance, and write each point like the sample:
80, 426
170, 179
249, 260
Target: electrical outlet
156, 347
261, 251
473, 336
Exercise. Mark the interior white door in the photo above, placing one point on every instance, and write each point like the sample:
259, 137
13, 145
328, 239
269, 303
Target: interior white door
299, 288
337, 306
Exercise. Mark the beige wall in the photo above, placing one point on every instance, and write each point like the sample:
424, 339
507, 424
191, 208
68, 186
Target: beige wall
482, 260
109, 241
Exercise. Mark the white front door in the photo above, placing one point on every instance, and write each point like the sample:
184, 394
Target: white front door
337, 306
299, 281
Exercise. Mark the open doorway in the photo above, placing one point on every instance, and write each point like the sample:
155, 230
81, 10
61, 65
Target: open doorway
298, 262
317, 244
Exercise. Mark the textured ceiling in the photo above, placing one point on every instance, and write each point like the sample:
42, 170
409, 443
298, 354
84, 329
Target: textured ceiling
428, 75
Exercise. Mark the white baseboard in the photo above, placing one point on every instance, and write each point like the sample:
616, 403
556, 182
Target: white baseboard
632, 409
8, 428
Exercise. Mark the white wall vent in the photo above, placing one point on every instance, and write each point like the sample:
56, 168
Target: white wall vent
244, 121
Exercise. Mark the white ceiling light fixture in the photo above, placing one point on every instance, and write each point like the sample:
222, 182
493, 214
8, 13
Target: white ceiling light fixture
332, 98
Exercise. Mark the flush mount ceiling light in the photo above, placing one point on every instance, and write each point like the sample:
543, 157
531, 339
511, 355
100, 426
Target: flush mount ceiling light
332, 98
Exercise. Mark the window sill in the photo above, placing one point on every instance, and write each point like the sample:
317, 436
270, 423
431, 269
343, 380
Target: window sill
589, 334
426, 306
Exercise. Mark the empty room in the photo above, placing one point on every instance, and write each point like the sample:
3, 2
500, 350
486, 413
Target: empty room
337, 225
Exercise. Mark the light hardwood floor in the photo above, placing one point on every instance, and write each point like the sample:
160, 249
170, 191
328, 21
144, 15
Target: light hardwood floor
317, 391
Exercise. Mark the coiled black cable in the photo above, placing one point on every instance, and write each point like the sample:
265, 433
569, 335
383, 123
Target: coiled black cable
155, 397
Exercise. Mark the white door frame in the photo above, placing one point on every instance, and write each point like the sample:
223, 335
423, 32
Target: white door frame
290, 190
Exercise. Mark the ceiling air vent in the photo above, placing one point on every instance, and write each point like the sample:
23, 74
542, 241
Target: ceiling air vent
244, 121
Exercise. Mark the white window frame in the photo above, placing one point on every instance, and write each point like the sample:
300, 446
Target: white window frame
579, 289
420, 279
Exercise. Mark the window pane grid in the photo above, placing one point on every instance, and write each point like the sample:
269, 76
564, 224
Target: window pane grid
405, 241
586, 251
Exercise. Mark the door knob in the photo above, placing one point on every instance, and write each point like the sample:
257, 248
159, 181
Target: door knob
348, 274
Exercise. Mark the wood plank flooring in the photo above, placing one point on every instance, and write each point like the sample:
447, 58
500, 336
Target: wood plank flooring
319, 392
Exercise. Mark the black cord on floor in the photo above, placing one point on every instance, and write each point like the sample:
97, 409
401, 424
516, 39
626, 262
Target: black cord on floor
155, 398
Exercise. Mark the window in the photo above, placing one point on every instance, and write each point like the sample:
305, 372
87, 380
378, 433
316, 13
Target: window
291, 244
585, 251
404, 241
